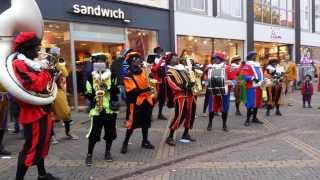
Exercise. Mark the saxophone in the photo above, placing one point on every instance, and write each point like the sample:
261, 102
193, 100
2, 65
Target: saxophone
152, 82
195, 78
99, 95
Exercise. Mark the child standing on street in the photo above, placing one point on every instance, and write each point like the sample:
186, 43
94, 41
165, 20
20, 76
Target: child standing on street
307, 91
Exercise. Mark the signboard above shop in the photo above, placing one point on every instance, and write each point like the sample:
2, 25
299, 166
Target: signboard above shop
98, 11
266, 33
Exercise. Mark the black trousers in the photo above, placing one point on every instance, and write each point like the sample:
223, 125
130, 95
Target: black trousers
106, 121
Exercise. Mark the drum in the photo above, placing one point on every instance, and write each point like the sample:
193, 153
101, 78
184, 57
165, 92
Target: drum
217, 81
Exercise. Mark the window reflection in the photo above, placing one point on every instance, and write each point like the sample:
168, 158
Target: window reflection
277, 12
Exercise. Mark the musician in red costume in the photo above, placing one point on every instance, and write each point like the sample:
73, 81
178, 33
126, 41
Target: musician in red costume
158, 71
252, 73
234, 69
36, 120
182, 98
221, 81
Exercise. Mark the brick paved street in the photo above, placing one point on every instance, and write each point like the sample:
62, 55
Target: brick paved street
286, 147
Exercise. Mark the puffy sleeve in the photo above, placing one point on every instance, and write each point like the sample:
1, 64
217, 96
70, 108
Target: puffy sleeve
172, 84
31, 80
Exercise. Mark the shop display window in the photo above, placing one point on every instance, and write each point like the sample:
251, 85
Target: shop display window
57, 34
229, 47
200, 49
143, 41
266, 50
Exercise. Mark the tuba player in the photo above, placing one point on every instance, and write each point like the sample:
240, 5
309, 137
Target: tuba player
36, 120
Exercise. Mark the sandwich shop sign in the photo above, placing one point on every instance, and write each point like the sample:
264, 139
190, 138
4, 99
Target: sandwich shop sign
98, 11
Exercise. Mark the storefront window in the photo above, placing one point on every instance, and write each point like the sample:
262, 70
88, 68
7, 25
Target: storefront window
57, 34
266, 50
231, 8
229, 47
201, 49
198, 6
305, 14
197, 48
143, 41
317, 17
277, 12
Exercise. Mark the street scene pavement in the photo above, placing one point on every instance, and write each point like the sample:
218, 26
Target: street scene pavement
284, 147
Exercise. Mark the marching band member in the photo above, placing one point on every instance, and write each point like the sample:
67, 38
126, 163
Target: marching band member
60, 105
219, 83
36, 120
158, 72
274, 72
100, 89
3, 119
233, 70
251, 72
180, 87
140, 100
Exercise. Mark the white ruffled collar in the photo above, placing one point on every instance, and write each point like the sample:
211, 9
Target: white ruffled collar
105, 75
178, 67
216, 66
35, 65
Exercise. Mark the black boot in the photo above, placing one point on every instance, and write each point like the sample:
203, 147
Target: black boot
238, 113
247, 123
170, 141
211, 116
224, 121
89, 160
124, 148
278, 113
145, 142
255, 119
187, 136
107, 155
48, 176
160, 115
268, 111
3, 152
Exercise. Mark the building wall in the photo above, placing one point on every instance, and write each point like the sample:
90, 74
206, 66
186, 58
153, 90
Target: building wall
139, 16
206, 26
155, 3
267, 33
310, 39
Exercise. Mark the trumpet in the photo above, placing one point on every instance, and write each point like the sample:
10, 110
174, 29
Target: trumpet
49, 62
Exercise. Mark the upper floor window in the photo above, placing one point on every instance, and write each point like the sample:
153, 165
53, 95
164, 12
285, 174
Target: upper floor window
317, 17
230, 8
277, 12
197, 6
305, 14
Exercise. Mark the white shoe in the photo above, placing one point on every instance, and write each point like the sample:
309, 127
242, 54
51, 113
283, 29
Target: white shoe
54, 140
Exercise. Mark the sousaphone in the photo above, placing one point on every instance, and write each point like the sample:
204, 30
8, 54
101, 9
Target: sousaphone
22, 16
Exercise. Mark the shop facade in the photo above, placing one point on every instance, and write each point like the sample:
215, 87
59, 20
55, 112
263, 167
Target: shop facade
81, 27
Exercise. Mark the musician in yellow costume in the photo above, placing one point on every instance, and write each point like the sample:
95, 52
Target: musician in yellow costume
100, 91
140, 99
3, 118
61, 106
